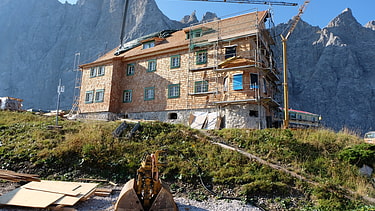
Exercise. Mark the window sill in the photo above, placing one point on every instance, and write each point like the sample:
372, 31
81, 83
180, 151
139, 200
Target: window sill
203, 93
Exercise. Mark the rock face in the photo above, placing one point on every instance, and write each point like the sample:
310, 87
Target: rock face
39, 39
331, 72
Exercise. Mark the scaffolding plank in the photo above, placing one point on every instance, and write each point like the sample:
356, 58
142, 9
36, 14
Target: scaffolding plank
84, 189
29, 198
66, 188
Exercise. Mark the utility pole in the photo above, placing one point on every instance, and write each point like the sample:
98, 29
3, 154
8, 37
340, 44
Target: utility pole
285, 62
60, 89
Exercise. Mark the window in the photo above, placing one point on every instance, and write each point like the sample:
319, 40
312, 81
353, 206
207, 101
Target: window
89, 96
149, 93
92, 72
201, 57
174, 91
151, 67
99, 96
128, 96
175, 61
237, 82
149, 44
230, 51
201, 86
194, 33
264, 86
172, 116
130, 69
101, 70
225, 84
254, 81
253, 113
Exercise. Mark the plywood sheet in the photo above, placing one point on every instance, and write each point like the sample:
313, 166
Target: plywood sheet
66, 188
200, 119
29, 198
84, 189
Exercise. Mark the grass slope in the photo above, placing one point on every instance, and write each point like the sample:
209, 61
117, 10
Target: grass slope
88, 149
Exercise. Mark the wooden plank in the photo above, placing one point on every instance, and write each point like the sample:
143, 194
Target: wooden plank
84, 189
66, 188
29, 198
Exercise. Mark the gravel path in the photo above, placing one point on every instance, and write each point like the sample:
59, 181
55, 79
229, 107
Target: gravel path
107, 203
99, 203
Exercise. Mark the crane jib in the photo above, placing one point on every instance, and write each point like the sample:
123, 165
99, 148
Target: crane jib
281, 3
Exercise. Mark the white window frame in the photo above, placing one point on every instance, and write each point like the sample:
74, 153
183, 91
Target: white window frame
149, 93
101, 71
128, 96
99, 96
130, 69
89, 96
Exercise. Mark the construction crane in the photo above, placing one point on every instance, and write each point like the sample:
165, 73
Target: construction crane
284, 39
281, 3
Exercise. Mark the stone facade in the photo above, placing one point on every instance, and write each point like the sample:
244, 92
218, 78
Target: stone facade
223, 66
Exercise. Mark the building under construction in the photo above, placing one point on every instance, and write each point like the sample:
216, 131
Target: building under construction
209, 75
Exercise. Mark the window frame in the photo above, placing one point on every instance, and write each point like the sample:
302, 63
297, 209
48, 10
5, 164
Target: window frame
230, 54
100, 100
170, 89
148, 44
172, 61
202, 85
130, 91
256, 84
131, 67
149, 62
238, 86
194, 33
88, 100
146, 97
197, 57
100, 71
93, 72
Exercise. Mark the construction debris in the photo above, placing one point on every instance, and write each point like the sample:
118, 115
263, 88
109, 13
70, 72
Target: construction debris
10, 103
45, 194
17, 177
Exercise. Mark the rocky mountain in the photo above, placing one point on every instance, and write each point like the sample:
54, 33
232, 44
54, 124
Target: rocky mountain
331, 71
39, 40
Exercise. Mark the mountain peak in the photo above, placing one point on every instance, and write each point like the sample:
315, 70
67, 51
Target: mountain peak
370, 25
190, 19
345, 19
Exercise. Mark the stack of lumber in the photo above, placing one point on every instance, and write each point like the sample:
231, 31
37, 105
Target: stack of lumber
17, 177
46, 193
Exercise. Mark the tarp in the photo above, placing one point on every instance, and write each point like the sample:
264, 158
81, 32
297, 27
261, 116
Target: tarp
205, 120
137, 42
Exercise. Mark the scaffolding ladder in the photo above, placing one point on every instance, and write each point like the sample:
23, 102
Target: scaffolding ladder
77, 86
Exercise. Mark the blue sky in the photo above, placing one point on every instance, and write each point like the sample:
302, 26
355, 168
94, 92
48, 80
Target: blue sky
318, 12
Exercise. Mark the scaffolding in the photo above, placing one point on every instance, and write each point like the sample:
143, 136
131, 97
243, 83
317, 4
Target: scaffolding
222, 48
77, 86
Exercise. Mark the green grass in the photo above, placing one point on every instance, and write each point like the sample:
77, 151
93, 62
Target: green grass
88, 149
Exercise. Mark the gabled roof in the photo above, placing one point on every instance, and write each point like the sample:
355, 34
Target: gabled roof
176, 40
